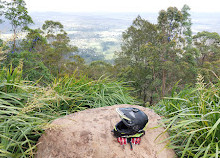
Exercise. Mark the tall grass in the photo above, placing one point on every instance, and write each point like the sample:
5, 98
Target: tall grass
82, 92
193, 120
19, 129
21, 118
27, 109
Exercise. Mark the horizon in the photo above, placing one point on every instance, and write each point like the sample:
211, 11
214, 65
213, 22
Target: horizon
107, 12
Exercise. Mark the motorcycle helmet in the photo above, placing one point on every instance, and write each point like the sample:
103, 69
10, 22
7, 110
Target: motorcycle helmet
133, 123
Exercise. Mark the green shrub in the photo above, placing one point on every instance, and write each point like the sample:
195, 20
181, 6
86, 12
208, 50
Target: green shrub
19, 129
21, 118
33, 68
26, 109
193, 120
81, 92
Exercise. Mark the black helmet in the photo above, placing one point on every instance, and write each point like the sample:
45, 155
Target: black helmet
133, 123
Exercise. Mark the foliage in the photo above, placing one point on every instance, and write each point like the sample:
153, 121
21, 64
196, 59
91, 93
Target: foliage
98, 69
21, 125
20, 129
1, 11
139, 45
82, 92
11, 77
34, 41
193, 120
153, 58
174, 26
33, 68
17, 14
209, 53
89, 55
55, 56
52, 27
26, 109
152, 55
2, 51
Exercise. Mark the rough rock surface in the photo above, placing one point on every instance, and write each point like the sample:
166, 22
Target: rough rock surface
87, 134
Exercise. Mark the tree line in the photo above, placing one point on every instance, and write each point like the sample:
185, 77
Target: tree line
154, 57
158, 56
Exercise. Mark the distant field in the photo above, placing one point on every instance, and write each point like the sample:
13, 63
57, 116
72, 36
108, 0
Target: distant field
102, 32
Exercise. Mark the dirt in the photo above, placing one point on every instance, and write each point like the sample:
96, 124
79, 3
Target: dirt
87, 134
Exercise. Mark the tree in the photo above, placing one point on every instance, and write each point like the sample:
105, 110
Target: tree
170, 26
208, 45
56, 56
33, 68
52, 29
152, 55
186, 24
188, 62
75, 64
34, 41
1, 10
98, 69
2, 52
208, 57
17, 14
134, 62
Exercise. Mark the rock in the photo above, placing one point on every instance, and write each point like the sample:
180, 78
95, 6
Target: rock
87, 134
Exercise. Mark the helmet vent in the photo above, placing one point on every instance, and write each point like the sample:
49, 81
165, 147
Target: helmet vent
132, 114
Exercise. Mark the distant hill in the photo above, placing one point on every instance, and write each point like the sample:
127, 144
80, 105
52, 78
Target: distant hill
102, 32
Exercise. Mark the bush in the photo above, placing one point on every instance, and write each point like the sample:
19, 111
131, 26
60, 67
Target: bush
33, 68
193, 120
81, 92
26, 109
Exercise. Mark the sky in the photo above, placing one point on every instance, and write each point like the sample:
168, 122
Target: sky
119, 5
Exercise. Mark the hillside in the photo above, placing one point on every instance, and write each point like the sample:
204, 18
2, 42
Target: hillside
172, 67
100, 33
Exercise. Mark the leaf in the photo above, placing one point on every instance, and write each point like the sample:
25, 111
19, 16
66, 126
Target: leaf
213, 128
217, 152
187, 145
206, 151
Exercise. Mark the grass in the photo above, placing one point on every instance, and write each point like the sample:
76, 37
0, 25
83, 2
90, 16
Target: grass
193, 120
26, 109
19, 129
86, 93
21, 118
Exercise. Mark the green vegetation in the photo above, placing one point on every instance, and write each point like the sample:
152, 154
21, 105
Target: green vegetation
33, 68
42, 78
26, 109
17, 14
157, 56
193, 120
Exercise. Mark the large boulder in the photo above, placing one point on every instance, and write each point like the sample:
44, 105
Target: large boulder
87, 134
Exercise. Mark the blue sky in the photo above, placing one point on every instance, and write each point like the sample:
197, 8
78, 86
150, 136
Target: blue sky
120, 5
